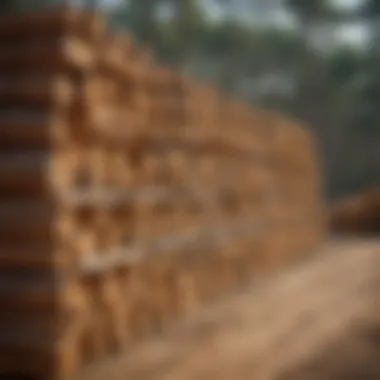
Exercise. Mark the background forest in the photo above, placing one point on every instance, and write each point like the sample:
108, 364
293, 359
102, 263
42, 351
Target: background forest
316, 59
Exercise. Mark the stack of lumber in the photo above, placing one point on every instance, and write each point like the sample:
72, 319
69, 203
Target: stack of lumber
357, 213
129, 193
49, 169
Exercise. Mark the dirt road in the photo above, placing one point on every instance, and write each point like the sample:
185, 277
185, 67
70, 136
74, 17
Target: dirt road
268, 328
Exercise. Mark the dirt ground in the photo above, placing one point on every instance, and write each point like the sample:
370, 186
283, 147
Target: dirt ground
355, 356
299, 325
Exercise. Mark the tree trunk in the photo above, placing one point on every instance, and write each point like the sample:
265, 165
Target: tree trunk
17, 5
229, 74
184, 28
149, 31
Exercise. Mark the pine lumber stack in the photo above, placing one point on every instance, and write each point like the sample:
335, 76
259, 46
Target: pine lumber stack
357, 213
129, 193
46, 161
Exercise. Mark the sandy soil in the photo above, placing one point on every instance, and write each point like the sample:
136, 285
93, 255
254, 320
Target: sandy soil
271, 327
355, 356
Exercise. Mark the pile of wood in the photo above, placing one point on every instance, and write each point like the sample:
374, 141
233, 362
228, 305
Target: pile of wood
129, 193
357, 214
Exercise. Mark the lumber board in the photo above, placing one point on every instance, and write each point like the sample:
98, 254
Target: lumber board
38, 290
93, 119
28, 128
89, 26
40, 331
113, 198
26, 220
204, 145
37, 172
118, 170
70, 53
194, 142
24, 172
190, 240
18, 254
19, 361
36, 89
47, 358
79, 245
110, 304
116, 201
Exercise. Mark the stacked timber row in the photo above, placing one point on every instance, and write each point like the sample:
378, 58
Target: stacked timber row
357, 214
129, 193
50, 168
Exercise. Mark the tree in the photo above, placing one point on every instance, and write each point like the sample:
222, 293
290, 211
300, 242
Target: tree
354, 162
371, 11
17, 5
229, 75
311, 79
140, 17
186, 13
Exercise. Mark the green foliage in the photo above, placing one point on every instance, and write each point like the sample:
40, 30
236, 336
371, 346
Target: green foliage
22, 5
308, 9
337, 91
344, 66
370, 9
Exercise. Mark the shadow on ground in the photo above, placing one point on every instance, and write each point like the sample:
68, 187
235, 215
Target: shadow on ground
354, 357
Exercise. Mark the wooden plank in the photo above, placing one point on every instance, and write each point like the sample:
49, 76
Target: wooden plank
47, 358
121, 308
25, 173
80, 243
116, 202
118, 169
115, 305
36, 330
116, 227
26, 255
87, 25
25, 128
51, 55
36, 173
193, 240
70, 357
29, 220
39, 290
114, 198
114, 51
108, 330
186, 268
36, 24
95, 117
23, 362
36, 89
158, 302
141, 296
